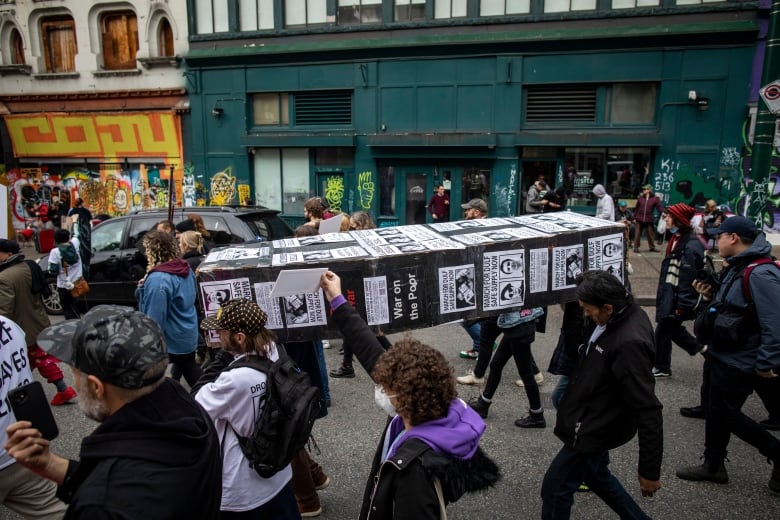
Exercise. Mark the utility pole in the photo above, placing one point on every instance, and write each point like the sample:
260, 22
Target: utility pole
763, 138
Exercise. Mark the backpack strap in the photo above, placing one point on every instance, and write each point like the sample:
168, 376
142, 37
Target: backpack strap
749, 269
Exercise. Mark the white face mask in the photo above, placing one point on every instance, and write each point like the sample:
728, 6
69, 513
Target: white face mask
383, 400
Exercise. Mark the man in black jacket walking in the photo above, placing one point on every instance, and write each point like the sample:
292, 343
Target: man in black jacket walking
155, 453
610, 397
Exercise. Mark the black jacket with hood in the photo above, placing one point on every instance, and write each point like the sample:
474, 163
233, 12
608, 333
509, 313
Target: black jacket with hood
156, 457
611, 394
415, 463
676, 298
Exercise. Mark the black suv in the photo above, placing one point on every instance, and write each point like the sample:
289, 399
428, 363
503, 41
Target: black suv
117, 265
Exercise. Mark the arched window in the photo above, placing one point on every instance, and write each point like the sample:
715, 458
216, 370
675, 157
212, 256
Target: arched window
119, 35
17, 48
58, 35
165, 38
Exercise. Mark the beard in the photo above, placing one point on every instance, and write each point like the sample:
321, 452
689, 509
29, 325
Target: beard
92, 407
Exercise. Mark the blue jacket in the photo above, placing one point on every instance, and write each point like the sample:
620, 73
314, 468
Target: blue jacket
763, 354
168, 297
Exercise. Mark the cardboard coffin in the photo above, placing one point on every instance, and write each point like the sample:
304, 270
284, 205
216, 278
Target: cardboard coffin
407, 277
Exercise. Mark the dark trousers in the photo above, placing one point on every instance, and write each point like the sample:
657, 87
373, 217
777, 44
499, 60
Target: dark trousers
488, 333
666, 331
729, 389
649, 230
188, 367
768, 391
281, 507
521, 352
568, 470
68, 303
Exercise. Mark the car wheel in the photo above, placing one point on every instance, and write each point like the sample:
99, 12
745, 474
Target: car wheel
52, 302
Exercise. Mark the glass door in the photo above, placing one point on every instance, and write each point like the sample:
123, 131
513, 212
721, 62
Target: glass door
416, 186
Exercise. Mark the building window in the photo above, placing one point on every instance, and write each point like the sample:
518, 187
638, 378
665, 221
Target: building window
17, 48
563, 6
633, 4
504, 7
697, 2
59, 43
271, 109
211, 16
119, 34
165, 38
409, 10
255, 15
355, 12
449, 9
633, 103
312, 12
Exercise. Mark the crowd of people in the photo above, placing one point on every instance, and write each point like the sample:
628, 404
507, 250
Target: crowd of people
155, 438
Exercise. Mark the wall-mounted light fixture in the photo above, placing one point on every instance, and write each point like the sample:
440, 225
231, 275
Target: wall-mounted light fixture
701, 102
217, 111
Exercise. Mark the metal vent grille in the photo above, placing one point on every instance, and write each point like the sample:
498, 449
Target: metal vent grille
548, 104
323, 108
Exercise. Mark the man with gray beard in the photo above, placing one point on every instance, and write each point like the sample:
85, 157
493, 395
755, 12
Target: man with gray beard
155, 453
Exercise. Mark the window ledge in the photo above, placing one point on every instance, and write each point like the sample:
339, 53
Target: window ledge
116, 73
56, 75
25, 70
160, 61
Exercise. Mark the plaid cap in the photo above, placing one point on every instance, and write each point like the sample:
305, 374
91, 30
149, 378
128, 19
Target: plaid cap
475, 204
116, 344
238, 315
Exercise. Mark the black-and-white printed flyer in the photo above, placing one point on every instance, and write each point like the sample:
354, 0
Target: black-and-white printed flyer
503, 279
538, 270
457, 290
567, 264
606, 254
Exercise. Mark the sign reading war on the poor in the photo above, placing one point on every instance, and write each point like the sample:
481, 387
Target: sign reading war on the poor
406, 277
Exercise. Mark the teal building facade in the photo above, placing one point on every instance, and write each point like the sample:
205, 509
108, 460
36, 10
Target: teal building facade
374, 104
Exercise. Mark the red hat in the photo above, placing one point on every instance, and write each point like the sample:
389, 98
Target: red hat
682, 213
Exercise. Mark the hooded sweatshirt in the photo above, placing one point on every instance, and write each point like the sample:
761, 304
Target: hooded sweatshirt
155, 457
605, 207
168, 297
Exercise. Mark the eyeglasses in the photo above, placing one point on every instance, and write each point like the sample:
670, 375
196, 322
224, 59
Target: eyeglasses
723, 234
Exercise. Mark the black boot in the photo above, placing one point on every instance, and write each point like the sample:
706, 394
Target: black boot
774, 481
343, 371
480, 406
532, 420
710, 471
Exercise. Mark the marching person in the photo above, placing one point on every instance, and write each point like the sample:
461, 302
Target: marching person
610, 397
429, 453
65, 264
155, 453
744, 347
234, 399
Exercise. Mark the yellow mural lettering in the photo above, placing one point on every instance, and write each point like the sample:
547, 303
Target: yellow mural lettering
223, 187
334, 191
366, 189
243, 194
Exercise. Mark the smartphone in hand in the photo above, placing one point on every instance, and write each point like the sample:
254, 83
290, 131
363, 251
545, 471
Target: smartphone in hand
29, 403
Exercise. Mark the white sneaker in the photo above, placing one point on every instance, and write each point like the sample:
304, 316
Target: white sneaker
325, 343
538, 377
470, 379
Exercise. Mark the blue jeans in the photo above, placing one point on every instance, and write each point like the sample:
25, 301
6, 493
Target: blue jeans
558, 391
473, 330
568, 470
323, 369
282, 506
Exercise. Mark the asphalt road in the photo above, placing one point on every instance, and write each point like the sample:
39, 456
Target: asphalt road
347, 438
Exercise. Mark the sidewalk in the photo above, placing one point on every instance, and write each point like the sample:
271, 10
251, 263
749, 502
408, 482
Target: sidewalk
647, 267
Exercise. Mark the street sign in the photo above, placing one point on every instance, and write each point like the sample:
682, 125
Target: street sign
771, 96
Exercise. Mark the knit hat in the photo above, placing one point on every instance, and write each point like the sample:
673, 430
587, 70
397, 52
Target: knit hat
117, 344
9, 246
238, 315
682, 213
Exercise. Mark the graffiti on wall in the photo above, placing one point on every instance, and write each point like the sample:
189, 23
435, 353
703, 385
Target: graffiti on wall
334, 192
113, 190
366, 188
730, 184
223, 188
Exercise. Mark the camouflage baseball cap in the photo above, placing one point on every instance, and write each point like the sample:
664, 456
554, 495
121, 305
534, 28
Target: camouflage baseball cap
116, 344
239, 315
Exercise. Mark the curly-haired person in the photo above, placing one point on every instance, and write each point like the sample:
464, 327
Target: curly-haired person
167, 295
429, 454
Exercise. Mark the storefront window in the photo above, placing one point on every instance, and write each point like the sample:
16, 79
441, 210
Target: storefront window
621, 171
476, 184
387, 189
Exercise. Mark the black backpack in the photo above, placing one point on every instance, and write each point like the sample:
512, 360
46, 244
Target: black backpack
284, 426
